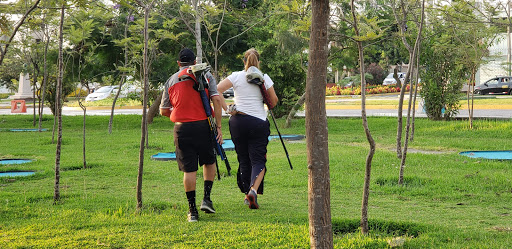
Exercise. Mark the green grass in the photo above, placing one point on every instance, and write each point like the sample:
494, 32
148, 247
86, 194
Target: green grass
73, 102
447, 201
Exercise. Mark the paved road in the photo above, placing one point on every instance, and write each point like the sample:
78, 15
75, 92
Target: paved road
333, 110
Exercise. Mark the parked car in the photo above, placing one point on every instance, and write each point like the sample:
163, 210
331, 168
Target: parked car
229, 93
102, 93
389, 80
498, 85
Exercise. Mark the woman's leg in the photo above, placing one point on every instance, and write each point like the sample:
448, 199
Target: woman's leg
237, 128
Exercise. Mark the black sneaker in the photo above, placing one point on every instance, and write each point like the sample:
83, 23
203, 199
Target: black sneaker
192, 216
253, 199
207, 207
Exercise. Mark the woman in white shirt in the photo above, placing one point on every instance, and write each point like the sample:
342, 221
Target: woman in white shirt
249, 127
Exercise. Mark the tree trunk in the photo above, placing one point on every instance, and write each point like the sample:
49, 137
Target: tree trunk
320, 224
416, 85
197, 32
144, 104
56, 194
83, 135
154, 108
123, 78
45, 79
471, 87
294, 109
399, 128
114, 105
34, 90
369, 157
408, 122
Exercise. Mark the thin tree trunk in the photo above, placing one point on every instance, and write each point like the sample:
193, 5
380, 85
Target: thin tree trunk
471, 88
468, 99
154, 108
144, 104
369, 158
45, 79
294, 109
147, 127
18, 25
123, 78
34, 90
56, 195
111, 120
408, 124
83, 135
54, 123
320, 225
399, 128
197, 32
416, 85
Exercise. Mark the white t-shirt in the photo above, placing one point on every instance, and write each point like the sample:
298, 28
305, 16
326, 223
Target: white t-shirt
248, 98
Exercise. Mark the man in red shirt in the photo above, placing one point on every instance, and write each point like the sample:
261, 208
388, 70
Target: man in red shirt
192, 135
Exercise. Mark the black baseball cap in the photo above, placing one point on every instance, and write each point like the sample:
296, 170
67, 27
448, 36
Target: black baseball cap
186, 55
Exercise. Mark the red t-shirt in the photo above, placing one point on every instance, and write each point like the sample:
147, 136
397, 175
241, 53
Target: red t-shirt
186, 102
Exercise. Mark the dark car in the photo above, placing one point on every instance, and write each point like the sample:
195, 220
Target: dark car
228, 93
498, 85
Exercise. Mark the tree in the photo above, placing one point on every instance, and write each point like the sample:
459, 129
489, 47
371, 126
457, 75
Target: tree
441, 53
147, 7
370, 33
408, 122
479, 36
320, 226
3, 50
56, 195
402, 11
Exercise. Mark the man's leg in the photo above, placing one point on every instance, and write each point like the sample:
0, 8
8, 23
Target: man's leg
209, 171
189, 182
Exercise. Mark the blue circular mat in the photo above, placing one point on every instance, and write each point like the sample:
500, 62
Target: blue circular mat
14, 161
164, 156
16, 173
494, 155
168, 156
287, 137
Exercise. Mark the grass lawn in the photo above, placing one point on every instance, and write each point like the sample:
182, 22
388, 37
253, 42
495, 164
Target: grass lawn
448, 201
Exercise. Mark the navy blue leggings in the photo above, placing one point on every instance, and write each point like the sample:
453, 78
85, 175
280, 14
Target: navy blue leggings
250, 136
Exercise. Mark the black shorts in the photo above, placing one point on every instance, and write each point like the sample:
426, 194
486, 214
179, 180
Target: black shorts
194, 145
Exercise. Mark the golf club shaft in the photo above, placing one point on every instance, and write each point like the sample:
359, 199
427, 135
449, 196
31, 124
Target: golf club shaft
263, 93
217, 166
281, 138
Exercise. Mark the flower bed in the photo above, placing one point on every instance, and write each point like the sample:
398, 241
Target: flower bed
337, 90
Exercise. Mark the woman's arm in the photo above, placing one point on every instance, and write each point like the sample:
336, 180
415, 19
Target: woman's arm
222, 87
272, 96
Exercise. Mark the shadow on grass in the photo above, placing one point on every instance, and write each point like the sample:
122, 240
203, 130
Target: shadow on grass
344, 226
411, 181
80, 166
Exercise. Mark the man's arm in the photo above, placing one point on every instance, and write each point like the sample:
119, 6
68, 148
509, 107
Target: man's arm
165, 104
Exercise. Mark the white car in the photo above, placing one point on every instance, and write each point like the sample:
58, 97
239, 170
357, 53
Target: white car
102, 93
389, 80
